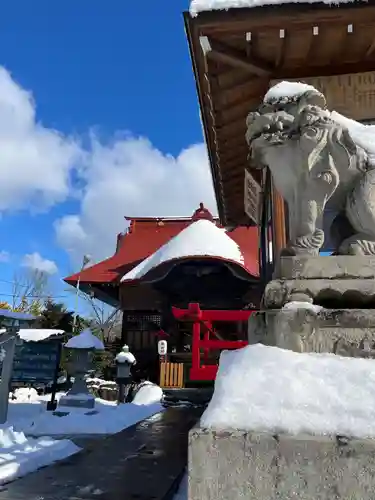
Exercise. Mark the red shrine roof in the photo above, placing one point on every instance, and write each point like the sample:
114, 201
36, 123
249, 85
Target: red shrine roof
146, 235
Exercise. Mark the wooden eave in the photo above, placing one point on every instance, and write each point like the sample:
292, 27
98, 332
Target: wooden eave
250, 47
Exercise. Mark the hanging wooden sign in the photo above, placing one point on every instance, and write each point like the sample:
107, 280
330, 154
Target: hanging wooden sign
252, 198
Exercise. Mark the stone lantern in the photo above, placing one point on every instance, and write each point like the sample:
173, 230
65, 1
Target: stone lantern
81, 347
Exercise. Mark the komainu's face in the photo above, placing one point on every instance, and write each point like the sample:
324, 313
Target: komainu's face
272, 124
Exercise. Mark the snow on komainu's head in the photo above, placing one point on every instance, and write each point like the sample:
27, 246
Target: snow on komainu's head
261, 388
293, 90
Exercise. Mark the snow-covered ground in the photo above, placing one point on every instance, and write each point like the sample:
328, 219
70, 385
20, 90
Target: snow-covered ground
270, 389
21, 454
107, 417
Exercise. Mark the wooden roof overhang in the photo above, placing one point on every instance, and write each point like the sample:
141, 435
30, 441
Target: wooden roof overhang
237, 53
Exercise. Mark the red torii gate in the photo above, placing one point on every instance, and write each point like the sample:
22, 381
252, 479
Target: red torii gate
210, 341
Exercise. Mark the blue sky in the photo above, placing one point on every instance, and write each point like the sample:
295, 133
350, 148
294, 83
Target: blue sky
115, 80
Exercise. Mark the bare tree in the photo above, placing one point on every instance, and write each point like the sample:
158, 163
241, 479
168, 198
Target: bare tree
30, 290
103, 318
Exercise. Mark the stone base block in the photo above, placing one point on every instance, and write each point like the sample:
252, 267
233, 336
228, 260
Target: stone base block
348, 293
340, 267
77, 401
347, 332
260, 466
341, 282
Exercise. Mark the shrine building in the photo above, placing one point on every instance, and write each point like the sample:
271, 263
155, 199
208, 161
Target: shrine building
161, 263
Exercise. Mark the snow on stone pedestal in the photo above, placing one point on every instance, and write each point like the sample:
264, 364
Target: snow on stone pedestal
286, 425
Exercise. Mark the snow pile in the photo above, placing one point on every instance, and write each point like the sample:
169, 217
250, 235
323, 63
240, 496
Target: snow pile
264, 388
125, 357
200, 239
36, 334
107, 418
363, 135
85, 340
294, 305
25, 395
197, 6
148, 393
20, 455
98, 383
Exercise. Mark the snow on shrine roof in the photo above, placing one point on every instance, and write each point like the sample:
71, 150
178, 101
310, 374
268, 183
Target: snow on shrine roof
200, 239
197, 6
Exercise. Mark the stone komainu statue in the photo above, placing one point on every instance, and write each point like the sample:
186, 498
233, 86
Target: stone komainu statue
316, 165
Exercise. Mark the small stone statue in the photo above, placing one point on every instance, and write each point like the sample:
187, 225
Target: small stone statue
316, 165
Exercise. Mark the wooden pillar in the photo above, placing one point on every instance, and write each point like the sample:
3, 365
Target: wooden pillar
279, 223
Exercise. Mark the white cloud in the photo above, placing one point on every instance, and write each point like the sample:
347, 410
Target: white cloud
4, 256
131, 177
128, 176
36, 262
35, 162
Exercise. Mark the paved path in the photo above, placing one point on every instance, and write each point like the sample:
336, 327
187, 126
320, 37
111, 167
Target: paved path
140, 463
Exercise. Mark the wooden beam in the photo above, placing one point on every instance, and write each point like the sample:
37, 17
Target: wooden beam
252, 88
233, 57
284, 16
370, 49
341, 46
304, 71
282, 48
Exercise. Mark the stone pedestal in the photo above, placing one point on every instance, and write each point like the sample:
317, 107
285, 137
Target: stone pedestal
341, 318
260, 466
79, 396
334, 312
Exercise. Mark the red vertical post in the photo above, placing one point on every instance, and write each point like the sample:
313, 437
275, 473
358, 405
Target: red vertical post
208, 326
195, 348
196, 315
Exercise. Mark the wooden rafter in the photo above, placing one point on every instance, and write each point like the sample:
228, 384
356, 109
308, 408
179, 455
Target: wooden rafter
370, 50
282, 48
236, 94
341, 47
233, 57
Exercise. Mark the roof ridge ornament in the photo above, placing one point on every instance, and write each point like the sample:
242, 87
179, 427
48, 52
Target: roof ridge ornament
202, 213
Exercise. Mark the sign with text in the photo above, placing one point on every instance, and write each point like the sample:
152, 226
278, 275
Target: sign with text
162, 347
36, 362
252, 198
